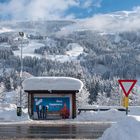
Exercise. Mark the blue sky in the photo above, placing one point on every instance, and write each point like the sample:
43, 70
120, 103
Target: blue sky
106, 6
55, 9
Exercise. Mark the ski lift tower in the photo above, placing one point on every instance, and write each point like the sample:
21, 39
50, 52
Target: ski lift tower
19, 108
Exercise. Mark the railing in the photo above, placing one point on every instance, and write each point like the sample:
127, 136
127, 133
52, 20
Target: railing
100, 108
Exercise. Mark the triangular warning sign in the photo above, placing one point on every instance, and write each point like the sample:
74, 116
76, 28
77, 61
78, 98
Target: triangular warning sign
127, 86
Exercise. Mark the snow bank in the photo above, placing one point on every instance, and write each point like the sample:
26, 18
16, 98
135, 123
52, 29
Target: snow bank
52, 83
127, 129
8, 113
112, 115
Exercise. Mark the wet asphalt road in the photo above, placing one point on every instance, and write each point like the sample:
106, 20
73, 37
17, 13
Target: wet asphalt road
55, 131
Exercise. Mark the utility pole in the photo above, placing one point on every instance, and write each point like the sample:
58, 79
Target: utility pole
19, 108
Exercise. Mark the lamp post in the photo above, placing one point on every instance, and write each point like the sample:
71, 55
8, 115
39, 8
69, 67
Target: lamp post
19, 108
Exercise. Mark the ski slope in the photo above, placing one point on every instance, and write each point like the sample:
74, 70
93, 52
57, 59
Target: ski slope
5, 30
28, 50
70, 55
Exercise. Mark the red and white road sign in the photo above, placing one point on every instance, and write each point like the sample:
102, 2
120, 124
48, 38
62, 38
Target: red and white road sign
127, 86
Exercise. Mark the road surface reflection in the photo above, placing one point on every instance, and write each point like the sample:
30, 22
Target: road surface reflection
72, 131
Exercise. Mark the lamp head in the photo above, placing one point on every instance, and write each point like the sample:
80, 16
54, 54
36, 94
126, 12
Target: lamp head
21, 34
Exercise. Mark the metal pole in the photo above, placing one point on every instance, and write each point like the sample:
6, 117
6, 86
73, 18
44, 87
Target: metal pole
21, 74
126, 110
21, 70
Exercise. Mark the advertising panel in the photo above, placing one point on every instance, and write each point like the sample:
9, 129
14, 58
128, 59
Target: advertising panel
44, 106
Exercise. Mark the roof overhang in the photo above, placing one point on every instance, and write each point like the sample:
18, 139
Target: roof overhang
52, 84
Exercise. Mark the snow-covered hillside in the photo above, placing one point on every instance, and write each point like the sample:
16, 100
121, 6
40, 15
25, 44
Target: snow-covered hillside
98, 56
5, 30
74, 50
28, 49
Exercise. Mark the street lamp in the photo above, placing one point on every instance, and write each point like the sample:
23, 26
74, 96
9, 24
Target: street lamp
19, 108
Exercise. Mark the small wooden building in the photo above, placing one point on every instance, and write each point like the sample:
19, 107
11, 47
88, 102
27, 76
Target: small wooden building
52, 97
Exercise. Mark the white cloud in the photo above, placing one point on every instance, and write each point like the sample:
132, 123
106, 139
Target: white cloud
90, 3
34, 9
111, 22
118, 21
44, 9
87, 4
97, 3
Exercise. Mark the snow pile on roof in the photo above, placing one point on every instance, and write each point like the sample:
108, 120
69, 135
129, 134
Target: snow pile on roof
127, 129
8, 113
52, 83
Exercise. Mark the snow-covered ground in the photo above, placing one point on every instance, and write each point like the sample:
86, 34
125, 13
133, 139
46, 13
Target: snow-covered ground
126, 129
123, 127
75, 51
8, 108
71, 55
6, 45
28, 50
112, 115
8, 113
4, 30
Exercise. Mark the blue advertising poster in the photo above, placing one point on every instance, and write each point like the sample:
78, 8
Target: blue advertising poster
54, 104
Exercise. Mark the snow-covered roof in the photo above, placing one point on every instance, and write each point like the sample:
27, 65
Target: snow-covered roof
52, 83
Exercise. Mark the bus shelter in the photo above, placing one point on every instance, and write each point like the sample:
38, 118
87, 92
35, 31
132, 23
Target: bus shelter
52, 97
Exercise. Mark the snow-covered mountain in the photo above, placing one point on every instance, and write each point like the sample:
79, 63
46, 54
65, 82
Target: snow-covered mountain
99, 51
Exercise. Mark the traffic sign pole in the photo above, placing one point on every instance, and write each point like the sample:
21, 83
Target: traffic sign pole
126, 104
126, 110
127, 86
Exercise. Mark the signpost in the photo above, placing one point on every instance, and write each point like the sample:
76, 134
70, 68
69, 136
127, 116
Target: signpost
127, 86
125, 102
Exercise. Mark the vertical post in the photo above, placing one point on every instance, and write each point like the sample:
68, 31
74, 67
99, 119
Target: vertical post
19, 113
21, 74
126, 110
73, 105
121, 96
126, 104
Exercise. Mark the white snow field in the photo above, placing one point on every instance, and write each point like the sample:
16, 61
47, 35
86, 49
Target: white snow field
75, 51
28, 50
71, 55
4, 30
126, 129
8, 113
8, 109
123, 128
